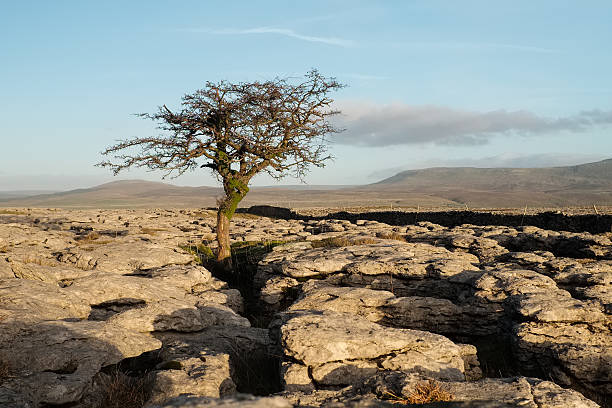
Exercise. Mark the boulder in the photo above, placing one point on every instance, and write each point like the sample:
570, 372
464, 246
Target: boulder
53, 362
339, 345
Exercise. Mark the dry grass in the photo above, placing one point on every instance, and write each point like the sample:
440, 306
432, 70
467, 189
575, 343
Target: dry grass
431, 391
5, 370
5, 211
338, 242
201, 252
119, 390
246, 216
203, 214
423, 393
396, 236
585, 260
91, 238
151, 231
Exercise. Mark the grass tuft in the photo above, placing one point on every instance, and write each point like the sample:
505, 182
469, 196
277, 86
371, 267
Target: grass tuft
5, 211
202, 253
424, 393
392, 235
338, 242
246, 216
151, 231
119, 390
431, 391
91, 238
5, 370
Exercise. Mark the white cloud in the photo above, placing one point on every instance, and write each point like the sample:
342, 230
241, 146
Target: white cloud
367, 124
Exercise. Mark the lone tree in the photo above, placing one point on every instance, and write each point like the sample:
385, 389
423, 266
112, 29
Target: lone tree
238, 130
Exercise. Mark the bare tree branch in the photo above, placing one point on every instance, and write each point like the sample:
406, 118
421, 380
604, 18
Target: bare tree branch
238, 130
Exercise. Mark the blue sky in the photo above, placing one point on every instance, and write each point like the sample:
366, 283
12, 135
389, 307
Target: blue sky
431, 83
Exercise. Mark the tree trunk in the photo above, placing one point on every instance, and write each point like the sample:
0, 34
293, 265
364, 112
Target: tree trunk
235, 190
224, 251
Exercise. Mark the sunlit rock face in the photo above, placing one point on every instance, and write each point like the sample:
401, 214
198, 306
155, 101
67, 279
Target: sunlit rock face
342, 314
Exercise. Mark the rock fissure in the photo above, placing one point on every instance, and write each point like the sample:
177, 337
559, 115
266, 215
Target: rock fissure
449, 304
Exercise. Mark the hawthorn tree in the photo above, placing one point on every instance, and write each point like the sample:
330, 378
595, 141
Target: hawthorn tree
237, 130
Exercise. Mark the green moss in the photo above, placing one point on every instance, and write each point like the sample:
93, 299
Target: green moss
201, 252
338, 242
235, 191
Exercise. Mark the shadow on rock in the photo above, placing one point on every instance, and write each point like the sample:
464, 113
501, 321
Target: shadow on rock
58, 362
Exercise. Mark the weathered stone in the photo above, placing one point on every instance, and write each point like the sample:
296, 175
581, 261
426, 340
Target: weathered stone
227, 297
345, 372
103, 287
275, 289
571, 353
359, 301
54, 361
46, 273
248, 348
547, 293
5, 270
190, 278
392, 386
319, 338
244, 401
388, 257
125, 256
13, 399
295, 377
38, 300
164, 316
208, 375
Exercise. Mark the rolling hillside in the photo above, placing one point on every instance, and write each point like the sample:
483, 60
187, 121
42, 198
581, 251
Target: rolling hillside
582, 185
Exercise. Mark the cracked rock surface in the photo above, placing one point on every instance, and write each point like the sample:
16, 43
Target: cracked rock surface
346, 314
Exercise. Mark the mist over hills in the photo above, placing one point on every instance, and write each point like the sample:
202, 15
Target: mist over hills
579, 185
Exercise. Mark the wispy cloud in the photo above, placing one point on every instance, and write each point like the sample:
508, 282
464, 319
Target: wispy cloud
340, 42
399, 124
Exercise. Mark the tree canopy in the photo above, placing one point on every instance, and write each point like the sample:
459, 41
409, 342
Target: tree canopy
238, 130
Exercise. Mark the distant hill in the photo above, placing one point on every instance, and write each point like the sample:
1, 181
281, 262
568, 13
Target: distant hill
123, 194
581, 185
148, 194
7, 195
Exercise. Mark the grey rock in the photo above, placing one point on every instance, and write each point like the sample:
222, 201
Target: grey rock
207, 375
54, 362
6, 271
295, 377
316, 339
385, 258
377, 390
125, 256
22, 298
572, 353
245, 401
